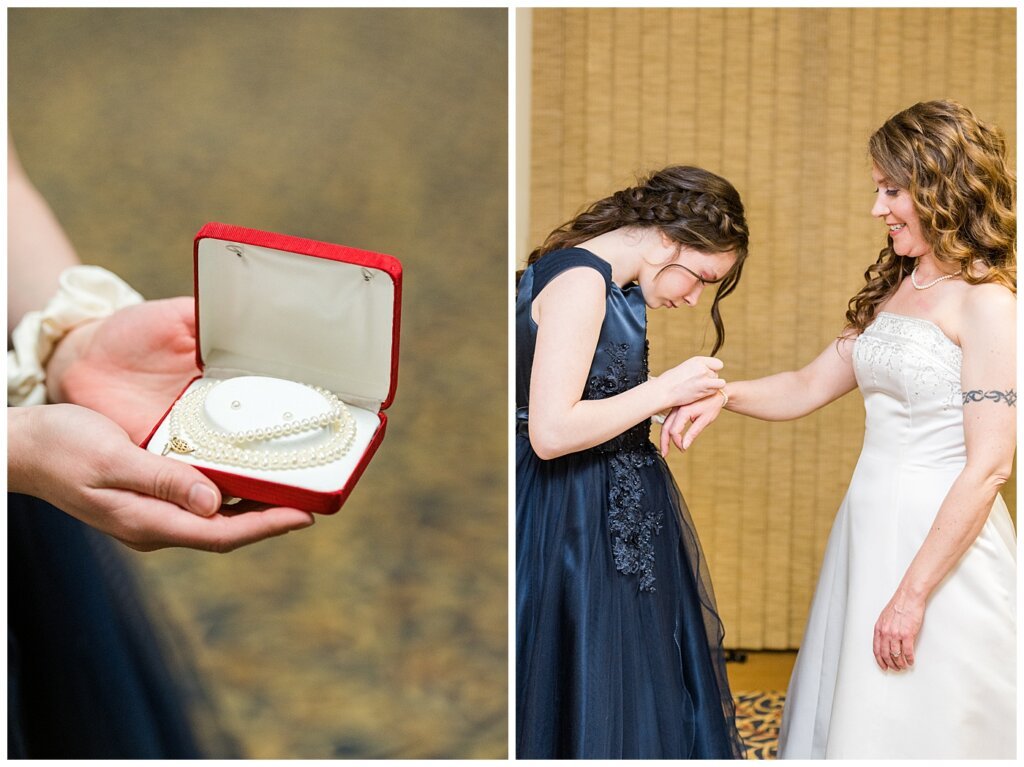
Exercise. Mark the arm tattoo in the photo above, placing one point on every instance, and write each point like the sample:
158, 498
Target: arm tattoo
978, 395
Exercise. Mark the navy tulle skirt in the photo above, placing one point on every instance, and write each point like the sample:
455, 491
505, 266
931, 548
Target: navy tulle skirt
87, 677
618, 651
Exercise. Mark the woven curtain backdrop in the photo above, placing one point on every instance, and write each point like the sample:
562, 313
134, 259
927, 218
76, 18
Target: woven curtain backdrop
780, 102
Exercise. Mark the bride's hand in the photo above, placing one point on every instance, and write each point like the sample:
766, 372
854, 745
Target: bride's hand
690, 381
686, 422
896, 631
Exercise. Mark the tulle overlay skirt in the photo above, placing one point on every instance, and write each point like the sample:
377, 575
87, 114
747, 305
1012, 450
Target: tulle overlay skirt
618, 651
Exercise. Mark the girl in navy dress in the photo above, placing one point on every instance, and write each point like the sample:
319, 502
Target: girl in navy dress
618, 651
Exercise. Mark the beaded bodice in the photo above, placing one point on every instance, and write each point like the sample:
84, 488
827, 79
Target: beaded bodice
909, 373
624, 366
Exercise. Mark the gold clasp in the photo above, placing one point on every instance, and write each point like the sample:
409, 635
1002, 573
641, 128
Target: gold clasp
178, 445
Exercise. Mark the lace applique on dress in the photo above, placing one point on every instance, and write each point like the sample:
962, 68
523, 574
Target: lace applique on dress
631, 525
915, 350
924, 333
614, 380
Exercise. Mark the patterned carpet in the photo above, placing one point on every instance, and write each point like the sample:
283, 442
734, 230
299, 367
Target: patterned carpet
758, 715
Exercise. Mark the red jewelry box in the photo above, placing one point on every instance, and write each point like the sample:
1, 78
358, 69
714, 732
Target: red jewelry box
299, 310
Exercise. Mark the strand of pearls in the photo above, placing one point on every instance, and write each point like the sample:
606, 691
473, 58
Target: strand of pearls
913, 279
190, 433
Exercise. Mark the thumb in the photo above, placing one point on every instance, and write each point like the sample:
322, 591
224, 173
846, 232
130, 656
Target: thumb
169, 480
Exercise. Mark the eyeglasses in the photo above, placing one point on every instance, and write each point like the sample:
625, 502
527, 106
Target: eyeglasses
700, 279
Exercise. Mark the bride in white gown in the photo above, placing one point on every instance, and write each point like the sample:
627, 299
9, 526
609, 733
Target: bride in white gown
910, 647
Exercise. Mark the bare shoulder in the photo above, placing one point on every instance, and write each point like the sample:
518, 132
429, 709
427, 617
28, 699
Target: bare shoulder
988, 303
988, 320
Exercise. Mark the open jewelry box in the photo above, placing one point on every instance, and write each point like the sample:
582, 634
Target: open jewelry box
297, 344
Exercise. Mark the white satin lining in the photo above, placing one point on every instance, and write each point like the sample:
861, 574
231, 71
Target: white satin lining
297, 317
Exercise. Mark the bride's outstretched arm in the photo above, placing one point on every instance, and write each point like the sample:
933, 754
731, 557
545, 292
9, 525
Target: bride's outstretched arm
988, 339
796, 393
779, 397
569, 313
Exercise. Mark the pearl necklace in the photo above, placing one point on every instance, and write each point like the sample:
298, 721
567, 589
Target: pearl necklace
190, 433
913, 280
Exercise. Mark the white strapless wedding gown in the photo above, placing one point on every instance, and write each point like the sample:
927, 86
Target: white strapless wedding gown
959, 698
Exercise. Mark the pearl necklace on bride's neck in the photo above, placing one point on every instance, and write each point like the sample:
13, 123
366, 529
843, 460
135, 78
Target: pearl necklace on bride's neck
254, 448
913, 279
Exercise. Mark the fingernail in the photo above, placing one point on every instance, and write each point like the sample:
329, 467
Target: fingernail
202, 500
308, 522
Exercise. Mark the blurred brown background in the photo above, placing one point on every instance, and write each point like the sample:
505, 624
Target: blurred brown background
381, 631
781, 102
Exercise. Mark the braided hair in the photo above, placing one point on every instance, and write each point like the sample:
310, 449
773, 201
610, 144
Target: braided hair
693, 207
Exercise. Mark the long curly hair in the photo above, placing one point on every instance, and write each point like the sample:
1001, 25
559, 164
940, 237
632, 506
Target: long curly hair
954, 167
692, 206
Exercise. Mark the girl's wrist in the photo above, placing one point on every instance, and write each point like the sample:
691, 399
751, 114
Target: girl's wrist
663, 398
22, 424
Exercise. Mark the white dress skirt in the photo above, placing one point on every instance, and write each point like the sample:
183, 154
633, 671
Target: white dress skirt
958, 701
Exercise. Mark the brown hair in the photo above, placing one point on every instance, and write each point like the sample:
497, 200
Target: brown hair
953, 165
692, 206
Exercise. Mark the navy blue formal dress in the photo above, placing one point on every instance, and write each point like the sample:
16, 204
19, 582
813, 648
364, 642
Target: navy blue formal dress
88, 674
618, 641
